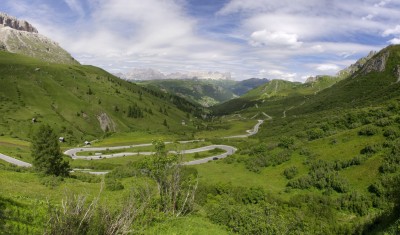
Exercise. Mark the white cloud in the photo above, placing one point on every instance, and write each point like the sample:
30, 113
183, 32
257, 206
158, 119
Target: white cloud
327, 67
392, 31
368, 17
346, 54
394, 41
288, 39
235, 6
318, 48
277, 74
279, 39
382, 3
132, 30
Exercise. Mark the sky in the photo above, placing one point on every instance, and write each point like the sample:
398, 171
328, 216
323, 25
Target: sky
275, 39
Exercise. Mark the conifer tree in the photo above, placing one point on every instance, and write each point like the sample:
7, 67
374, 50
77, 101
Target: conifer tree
46, 153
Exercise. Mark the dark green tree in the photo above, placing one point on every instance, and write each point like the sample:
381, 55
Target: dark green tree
135, 112
89, 92
46, 153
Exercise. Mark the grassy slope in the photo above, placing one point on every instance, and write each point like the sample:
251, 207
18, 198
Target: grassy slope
275, 95
330, 110
71, 97
298, 108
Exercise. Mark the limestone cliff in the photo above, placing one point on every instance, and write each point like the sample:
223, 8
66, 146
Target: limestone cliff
14, 23
18, 36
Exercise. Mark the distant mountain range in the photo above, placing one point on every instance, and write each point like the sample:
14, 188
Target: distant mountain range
206, 92
205, 88
152, 74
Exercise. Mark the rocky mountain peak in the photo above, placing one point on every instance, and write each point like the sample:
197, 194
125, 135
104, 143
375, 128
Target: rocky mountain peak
18, 36
313, 79
352, 69
14, 23
376, 63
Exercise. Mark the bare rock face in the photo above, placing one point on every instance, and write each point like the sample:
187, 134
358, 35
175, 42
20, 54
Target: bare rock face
14, 23
314, 79
376, 63
352, 69
106, 124
397, 73
20, 37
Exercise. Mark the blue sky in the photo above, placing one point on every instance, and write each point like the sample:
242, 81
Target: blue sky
276, 39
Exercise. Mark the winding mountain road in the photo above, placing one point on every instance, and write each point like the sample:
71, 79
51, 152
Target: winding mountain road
249, 132
14, 161
229, 150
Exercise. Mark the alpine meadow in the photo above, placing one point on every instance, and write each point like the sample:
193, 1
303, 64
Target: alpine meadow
199, 117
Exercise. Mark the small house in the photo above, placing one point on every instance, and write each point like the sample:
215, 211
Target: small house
87, 142
183, 123
61, 139
33, 120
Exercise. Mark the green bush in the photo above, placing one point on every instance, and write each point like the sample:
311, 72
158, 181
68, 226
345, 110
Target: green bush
303, 182
388, 167
355, 202
391, 133
290, 172
315, 133
51, 181
250, 218
253, 196
86, 177
322, 175
368, 131
358, 160
286, 142
382, 122
377, 189
113, 185
369, 149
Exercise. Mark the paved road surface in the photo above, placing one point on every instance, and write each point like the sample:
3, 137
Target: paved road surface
249, 132
229, 150
14, 161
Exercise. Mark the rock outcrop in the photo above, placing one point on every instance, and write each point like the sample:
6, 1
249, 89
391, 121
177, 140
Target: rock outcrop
352, 69
397, 73
14, 23
20, 37
313, 79
106, 123
375, 64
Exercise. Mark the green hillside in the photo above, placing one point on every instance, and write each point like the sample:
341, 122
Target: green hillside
276, 93
371, 84
325, 161
81, 102
329, 148
206, 92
